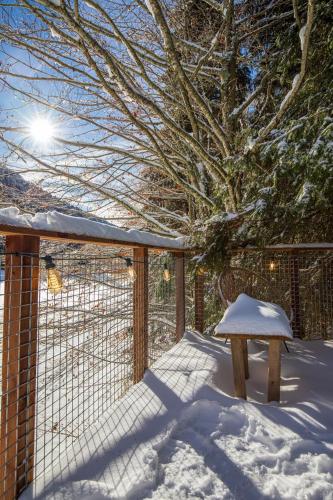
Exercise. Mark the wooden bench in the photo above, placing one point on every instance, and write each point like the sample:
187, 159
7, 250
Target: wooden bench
249, 318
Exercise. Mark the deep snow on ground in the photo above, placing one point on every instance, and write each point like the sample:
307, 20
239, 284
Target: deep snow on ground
181, 434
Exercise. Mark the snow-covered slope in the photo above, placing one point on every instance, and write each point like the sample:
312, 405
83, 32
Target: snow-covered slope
180, 434
28, 196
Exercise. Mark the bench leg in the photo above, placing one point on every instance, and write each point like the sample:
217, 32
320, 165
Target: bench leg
245, 358
238, 368
274, 370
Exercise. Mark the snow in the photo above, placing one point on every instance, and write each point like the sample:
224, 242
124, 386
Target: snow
201, 171
266, 190
296, 246
258, 205
58, 222
181, 434
305, 194
294, 84
90, 5
150, 7
223, 217
251, 316
300, 246
250, 144
54, 33
302, 35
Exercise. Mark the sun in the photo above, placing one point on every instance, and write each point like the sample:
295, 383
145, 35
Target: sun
41, 130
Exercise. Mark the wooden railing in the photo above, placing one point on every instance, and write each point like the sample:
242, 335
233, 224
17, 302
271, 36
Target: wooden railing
20, 338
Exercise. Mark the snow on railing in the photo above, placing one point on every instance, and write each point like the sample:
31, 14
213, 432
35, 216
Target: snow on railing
66, 227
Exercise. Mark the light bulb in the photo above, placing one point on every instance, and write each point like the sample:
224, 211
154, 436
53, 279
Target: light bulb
201, 270
272, 266
130, 269
166, 273
54, 280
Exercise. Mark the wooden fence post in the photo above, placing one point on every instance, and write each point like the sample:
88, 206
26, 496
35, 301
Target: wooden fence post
295, 296
140, 313
180, 295
19, 360
199, 302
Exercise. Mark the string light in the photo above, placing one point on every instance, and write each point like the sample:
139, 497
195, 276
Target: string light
55, 283
166, 273
272, 265
130, 269
54, 280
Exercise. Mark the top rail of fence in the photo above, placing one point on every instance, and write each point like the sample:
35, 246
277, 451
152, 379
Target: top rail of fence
160, 244
287, 248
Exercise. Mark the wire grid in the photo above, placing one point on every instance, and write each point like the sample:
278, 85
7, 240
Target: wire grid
202, 302
162, 305
301, 281
189, 293
84, 353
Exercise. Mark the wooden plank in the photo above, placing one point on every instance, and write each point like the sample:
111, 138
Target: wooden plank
6, 230
245, 358
238, 368
180, 295
19, 359
252, 336
199, 302
140, 313
274, 370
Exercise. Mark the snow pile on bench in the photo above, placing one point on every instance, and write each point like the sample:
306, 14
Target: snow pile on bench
254, 317
58, 222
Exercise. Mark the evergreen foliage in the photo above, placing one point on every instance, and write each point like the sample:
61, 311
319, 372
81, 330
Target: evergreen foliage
284, 189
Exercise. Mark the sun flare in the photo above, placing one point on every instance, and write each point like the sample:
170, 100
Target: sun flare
41, 130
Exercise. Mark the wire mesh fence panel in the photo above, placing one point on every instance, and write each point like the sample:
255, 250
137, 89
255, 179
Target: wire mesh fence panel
203, 307
66, 351
316, 294
261, 275
162, 305
84, 349
301, 281
189, 294
73, 322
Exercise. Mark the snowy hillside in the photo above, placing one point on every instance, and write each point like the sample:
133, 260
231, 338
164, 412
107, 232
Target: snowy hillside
180, 434
30, 197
